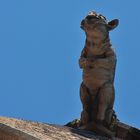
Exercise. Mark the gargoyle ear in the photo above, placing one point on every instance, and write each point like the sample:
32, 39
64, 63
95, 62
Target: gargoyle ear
82, 24
113, 24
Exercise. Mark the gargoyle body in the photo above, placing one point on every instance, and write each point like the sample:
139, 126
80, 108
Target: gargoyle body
98, 61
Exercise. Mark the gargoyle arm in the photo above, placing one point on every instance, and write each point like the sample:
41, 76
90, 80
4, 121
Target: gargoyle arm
83, 61
108, 62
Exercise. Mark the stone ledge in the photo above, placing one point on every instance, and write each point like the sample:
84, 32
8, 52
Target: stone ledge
16, 129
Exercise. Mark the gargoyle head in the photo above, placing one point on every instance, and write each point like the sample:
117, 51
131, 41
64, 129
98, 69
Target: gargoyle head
97, 27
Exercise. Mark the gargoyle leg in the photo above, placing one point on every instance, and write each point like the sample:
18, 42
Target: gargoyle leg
85, 99
106, 101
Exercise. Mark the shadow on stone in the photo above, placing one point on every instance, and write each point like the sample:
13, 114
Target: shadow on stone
127, 132
133, 134
88, 134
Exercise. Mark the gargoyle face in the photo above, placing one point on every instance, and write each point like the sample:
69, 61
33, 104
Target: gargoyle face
96, 26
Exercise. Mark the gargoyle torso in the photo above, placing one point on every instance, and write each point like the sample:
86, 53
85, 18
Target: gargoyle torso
101, 62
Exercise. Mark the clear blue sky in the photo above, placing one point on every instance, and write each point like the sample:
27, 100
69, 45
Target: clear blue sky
40, 44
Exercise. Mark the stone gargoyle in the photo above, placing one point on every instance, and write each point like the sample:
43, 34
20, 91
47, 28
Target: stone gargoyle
97, 93
98, 61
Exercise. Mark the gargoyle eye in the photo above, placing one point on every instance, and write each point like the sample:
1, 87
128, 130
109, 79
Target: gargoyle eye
102, 17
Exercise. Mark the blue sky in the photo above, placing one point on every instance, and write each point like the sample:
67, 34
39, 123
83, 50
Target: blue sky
40, 44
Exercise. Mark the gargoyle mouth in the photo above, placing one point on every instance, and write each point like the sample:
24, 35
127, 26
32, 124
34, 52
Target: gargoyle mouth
91, 17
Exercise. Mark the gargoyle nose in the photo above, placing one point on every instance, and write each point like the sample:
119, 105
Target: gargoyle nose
91, 16
92, 13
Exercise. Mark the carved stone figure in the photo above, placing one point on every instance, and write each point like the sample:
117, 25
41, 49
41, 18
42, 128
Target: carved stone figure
98, 61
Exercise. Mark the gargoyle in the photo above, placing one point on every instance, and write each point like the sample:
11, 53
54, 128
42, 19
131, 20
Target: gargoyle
98, 61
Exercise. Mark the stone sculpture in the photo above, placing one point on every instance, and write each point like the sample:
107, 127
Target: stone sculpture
98, 61
97, 93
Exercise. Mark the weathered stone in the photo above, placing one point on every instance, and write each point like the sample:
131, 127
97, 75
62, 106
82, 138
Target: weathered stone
16, 129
